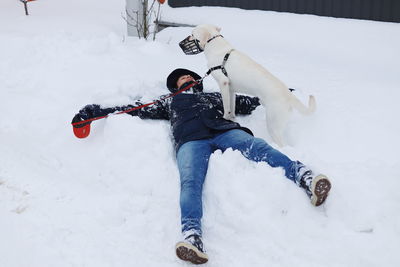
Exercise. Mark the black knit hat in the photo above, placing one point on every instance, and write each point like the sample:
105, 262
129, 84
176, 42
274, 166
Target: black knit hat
176, 74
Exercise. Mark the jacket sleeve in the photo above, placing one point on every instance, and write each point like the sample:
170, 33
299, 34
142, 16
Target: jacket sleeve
158, 110
246, 104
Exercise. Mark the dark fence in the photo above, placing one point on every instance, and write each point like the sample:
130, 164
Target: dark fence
380, 10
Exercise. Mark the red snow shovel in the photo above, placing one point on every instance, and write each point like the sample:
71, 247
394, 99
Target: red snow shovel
82, 131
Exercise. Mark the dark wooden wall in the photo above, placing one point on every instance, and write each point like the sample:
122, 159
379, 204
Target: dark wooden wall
380, 10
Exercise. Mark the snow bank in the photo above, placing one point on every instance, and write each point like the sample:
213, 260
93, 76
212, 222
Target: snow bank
112, 199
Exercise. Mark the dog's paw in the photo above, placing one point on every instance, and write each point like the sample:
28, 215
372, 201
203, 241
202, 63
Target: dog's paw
229, 116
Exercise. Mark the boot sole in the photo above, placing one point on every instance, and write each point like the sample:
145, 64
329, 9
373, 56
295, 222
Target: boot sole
188, 252
320, 188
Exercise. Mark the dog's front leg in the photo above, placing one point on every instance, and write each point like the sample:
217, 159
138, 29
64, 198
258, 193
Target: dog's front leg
226, 98
233, 102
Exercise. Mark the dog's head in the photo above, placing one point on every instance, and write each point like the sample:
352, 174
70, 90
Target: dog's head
205, 32
196, 42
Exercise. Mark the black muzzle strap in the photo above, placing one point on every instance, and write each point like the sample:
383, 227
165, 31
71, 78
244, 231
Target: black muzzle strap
212, 38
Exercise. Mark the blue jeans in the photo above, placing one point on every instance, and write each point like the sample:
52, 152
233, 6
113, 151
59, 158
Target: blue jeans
192, 159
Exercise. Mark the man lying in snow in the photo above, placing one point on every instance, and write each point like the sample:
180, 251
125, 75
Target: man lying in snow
199, 130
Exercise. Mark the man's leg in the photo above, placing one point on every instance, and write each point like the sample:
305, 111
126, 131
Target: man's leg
192, 159
316, 186
257, 149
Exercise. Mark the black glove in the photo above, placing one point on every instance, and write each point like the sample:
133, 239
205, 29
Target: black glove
78, 118
88, 112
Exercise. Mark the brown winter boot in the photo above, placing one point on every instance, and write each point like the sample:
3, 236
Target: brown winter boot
316, 187
191, 249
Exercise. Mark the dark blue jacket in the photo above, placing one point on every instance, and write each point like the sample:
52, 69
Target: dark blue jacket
193, 116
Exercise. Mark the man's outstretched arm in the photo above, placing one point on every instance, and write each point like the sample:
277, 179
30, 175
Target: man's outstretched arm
158, 110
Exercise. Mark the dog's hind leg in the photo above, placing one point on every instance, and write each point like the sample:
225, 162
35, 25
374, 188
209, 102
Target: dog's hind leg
276, 124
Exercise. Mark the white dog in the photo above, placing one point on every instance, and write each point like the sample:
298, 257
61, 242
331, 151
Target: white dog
236, 72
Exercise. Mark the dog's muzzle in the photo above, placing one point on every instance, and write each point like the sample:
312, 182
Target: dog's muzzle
190, 47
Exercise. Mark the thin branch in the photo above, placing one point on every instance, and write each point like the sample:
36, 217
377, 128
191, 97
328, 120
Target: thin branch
127, 21
142, 21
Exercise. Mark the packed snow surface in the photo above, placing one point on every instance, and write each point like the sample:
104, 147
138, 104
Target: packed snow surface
112, 199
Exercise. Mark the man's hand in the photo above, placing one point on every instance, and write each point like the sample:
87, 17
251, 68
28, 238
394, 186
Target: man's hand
89, 112
86, 113
82, 130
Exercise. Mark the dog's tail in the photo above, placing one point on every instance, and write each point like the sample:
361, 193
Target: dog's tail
302, 108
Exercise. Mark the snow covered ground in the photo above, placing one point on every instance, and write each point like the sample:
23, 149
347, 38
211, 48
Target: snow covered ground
112, 198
